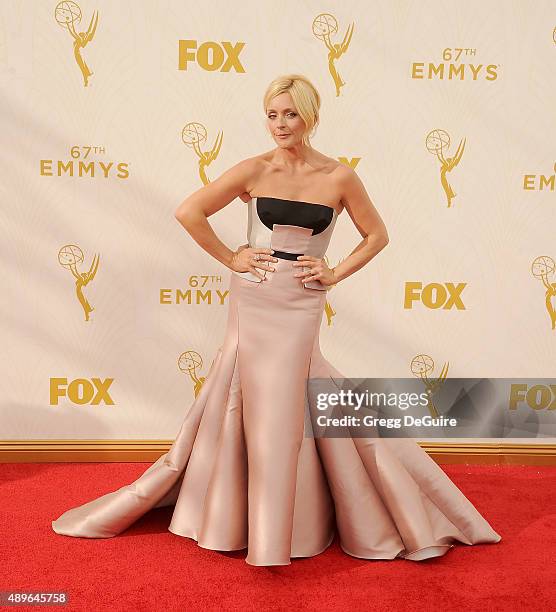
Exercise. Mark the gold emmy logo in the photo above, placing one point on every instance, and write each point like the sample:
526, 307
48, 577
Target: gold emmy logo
70, 256
542, 267
188, 362
539, 182
436, 142
421, 367
82, 166
325, 25
202, 289
67, 15
454, 67
554, 36
81, 391
193, 134
537, 397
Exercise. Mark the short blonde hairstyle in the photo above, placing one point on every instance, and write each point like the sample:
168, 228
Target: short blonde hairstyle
305, 97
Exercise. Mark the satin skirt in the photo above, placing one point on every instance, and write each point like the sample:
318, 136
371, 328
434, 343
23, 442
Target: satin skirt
241, 472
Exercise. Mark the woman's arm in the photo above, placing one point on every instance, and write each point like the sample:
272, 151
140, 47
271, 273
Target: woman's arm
368, 222
192, 213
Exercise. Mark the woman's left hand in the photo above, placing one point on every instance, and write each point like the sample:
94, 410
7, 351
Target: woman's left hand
318, 270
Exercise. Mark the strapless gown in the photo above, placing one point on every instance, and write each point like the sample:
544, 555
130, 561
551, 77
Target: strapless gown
241, 473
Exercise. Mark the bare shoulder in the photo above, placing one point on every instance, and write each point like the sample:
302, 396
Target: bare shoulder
327, 165
251, 168
248, 166
244, 174
339, 176
354, 196
235, 182
263, 161
345, 174
350, 186
356, 200
330, 172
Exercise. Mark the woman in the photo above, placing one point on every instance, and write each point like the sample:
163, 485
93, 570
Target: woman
241, 472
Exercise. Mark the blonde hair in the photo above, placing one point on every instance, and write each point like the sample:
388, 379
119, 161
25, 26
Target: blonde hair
305, 97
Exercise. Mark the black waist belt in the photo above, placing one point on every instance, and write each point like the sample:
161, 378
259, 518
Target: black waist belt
286, 255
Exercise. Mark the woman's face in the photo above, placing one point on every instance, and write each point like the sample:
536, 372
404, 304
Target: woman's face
283, 119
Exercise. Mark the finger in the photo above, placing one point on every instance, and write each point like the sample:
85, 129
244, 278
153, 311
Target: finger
261, 259
265, 257
256, 272
263, 266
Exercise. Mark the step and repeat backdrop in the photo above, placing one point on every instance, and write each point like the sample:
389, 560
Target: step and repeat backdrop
112, 113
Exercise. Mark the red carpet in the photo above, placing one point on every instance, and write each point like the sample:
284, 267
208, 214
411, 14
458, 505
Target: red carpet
148, 568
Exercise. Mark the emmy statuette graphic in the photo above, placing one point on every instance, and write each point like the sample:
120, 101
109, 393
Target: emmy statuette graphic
436, 141
421, 366
324, 26
67, 15
188, 363
70, 256
541, 268
193, 135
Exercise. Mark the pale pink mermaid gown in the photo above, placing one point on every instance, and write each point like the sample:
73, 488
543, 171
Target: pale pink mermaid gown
242, 474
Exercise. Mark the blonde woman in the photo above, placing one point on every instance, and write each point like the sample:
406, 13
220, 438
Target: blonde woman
241, 472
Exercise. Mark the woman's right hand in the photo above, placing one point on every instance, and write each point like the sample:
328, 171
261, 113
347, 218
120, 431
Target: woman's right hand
244, 260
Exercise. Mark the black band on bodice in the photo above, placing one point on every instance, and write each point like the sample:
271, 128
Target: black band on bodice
293, 212
286, 255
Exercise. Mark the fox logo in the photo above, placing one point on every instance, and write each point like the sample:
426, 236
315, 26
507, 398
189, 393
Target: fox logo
211, 55
81, 391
